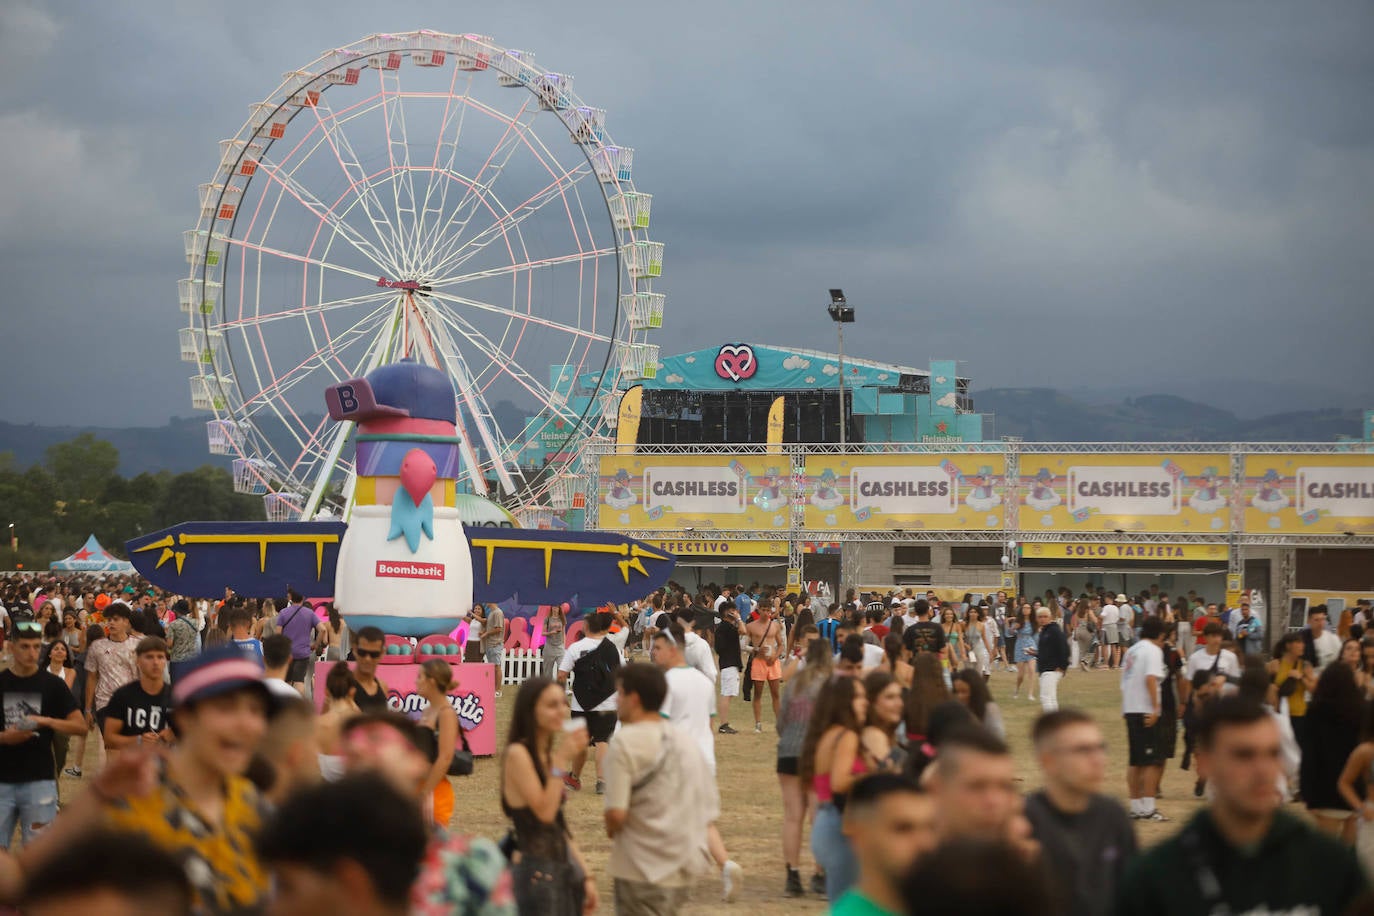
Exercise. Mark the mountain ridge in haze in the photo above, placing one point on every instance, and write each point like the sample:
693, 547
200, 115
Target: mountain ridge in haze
1034, 414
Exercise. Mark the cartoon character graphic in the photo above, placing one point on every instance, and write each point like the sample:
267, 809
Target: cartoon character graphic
826, 496
1042, 496
981, 496
404, 561
771, 495
1207, 497
620, 496
1270, 496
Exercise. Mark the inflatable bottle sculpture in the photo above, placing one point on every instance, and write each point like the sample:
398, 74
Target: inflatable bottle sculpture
404, 563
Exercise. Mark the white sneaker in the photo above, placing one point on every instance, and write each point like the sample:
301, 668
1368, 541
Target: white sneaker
731, 879
758, 730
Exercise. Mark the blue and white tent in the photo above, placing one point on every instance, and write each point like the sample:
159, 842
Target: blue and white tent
92, 558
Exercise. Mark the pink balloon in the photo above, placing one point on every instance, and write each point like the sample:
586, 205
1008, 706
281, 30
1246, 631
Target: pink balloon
566, 607
418, 474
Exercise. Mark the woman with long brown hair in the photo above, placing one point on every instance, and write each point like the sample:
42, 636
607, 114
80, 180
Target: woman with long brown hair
927, 691
972, 691
832, 758
433, 682
549, 873
895, 654
794, 715
886, 711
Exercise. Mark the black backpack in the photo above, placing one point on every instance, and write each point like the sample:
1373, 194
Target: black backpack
594, 675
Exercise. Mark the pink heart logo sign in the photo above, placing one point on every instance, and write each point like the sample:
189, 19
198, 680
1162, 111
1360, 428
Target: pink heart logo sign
736, 362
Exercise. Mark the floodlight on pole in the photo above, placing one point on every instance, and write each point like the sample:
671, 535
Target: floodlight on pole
842, 313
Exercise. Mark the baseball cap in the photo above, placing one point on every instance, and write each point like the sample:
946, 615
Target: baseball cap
215, 672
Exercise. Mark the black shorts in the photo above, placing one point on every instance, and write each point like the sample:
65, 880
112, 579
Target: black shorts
600, 725
296, 673
1146, 749
787, 766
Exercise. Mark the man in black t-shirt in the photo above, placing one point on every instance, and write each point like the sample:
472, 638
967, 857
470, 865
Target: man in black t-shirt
925, 635
731, 662
368, 645
140, 711
1086, 838
34, 704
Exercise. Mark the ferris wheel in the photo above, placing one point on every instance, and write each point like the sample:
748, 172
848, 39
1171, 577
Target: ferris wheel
419, 196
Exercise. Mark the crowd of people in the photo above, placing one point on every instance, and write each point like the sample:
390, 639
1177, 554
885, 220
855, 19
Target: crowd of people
215, 786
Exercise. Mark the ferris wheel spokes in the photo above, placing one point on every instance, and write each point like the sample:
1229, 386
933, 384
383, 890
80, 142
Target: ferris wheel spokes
455, 116
511, 269
505, 363
362, 188
398, 154
443, 240
510, 220
282, 383
527, 317
329, 217
480, 413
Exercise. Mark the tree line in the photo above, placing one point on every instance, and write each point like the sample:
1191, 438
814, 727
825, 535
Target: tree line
77, 490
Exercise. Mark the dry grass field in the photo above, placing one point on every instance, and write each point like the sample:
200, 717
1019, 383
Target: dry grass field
751, 804
752, 808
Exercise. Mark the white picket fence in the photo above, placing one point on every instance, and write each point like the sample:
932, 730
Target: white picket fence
519, 665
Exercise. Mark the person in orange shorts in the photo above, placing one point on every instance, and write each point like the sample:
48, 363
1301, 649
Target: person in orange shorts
767, 643
433, 682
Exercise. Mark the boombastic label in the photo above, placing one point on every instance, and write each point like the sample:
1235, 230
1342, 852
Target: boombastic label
407, 569
705, 490
1124, 490
1345, 492
904, 490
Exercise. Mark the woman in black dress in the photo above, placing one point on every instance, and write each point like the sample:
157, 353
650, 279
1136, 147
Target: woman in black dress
1334, 717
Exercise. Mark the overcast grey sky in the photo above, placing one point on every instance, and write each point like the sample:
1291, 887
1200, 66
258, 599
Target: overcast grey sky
1139, 196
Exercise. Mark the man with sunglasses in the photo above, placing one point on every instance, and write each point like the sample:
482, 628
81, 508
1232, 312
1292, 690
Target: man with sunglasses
1085, 834
368, 646
34, 704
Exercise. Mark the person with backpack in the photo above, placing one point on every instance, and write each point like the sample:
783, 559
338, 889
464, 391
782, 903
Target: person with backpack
592, 662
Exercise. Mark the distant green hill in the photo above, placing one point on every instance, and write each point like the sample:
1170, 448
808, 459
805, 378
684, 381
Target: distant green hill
1034, 414
1046, 415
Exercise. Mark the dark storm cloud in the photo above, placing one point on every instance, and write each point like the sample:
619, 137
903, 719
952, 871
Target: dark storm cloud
1055, 193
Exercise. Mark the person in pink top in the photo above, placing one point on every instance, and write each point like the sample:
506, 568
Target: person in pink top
832, 758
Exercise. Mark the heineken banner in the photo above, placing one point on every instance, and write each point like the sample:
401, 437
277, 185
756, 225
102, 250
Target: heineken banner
1127, 492
1308, 494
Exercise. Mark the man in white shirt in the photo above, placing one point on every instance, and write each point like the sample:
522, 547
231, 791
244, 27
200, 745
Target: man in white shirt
1322, 646
601, 716
1142, 676
1210, 656
690, 705
1109, 646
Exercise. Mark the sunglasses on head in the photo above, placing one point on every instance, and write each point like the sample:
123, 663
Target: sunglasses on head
28, 626
368, 653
